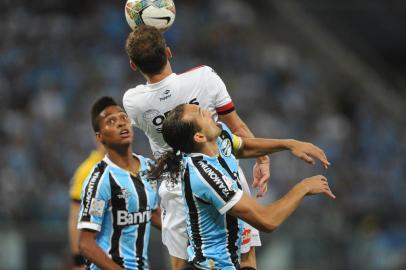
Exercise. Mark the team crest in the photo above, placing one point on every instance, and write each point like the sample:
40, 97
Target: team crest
226, 147
125, 194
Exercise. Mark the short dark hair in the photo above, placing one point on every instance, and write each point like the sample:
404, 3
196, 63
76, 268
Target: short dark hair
145, 47
100, 104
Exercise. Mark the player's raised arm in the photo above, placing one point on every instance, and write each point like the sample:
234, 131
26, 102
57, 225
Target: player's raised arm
268, 218
254, 147
261, 171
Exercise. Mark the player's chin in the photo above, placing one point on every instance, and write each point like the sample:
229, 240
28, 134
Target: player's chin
125, 139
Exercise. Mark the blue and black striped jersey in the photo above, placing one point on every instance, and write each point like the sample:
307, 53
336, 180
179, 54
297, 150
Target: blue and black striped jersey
210, 188
118, 205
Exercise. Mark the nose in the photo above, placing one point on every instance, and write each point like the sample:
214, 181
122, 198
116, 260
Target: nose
122, 122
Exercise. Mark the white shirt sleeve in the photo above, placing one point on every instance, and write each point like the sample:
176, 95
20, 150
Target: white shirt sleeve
217, 88
129, 99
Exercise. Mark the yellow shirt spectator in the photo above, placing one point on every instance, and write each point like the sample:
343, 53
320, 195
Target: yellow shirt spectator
82, 172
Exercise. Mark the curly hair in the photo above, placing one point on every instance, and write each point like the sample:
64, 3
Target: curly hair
145, 47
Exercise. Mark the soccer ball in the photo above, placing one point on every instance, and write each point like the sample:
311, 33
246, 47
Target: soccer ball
157, 13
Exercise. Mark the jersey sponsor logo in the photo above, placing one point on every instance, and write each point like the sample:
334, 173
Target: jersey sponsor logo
125, 218
157, 118
88, 195
219, 181
165, 95
150, 114
246, 236
226, 147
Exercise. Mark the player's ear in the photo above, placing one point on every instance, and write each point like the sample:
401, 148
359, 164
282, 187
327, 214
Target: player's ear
199, 137
99, 137
133, 66
168, 52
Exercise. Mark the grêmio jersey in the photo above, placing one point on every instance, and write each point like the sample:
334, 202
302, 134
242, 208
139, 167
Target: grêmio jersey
118, 205
210, 188
147, 105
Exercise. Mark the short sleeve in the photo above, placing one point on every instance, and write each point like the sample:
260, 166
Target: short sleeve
212, 186
129, 99
222, 100
96, 195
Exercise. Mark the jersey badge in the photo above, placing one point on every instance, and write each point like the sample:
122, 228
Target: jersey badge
226, 147
96, 207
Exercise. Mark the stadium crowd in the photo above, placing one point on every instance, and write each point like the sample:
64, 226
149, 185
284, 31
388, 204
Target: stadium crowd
55, 62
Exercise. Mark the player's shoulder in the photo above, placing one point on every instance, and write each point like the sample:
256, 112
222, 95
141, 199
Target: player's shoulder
133, 94
145, 162
97, 175
196, 71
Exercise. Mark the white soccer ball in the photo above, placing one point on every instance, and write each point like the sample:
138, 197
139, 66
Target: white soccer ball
157, 13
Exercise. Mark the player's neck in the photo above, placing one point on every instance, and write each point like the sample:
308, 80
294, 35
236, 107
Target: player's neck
124, 159
210, 149
159, 77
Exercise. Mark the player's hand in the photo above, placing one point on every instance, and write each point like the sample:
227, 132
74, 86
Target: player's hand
308, 151
79, 268
261, 173
317, 185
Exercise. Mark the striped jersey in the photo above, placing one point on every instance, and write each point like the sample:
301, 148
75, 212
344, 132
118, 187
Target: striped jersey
210, 188
118, 205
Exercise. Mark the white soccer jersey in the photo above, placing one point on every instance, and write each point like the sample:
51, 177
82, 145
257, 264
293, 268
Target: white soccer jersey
148, 104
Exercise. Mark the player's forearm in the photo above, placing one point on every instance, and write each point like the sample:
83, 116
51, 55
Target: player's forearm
242, 131
277, 212
239, 128
89, 249
256, 147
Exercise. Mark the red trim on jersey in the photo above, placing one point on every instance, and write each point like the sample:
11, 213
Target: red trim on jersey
228, 107
192, 69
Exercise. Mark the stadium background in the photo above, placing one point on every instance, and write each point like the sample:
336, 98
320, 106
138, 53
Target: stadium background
330, 72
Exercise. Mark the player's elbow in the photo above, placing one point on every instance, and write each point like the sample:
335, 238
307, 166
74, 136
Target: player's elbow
268, 226
84, 246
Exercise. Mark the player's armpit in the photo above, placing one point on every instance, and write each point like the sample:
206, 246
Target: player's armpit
252, 212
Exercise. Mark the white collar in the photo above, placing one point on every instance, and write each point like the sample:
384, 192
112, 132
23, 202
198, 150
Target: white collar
111, 163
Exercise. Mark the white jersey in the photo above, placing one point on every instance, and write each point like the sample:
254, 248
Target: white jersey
148, 104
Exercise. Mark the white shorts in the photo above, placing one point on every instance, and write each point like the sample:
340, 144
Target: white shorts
174, 234
250, 235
